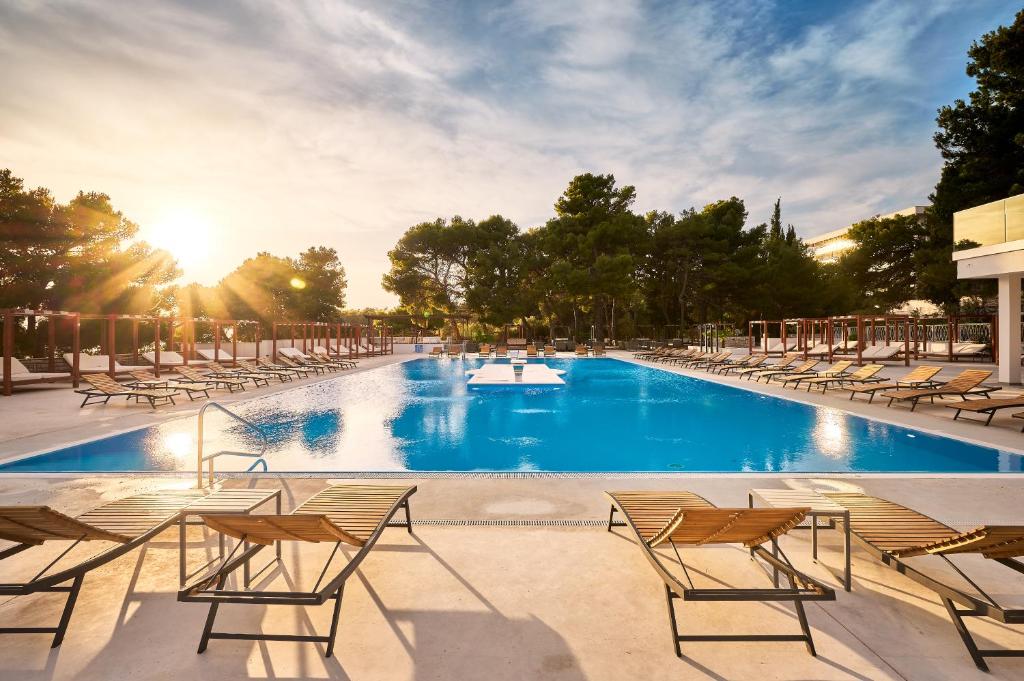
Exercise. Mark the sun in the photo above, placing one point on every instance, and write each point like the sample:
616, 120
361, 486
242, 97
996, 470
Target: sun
185, 234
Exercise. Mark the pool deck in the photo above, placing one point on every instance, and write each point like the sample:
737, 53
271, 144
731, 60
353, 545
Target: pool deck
527, 596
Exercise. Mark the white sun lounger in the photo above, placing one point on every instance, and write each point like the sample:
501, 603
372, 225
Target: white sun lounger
100, 364
21, 374
170, 358
208, 354
877, 352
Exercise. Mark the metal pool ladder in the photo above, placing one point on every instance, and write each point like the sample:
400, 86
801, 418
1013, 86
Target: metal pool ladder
208, 458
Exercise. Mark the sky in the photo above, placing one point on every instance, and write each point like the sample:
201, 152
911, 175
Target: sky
228, 128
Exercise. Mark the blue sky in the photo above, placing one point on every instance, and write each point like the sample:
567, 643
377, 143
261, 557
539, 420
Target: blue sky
233, 127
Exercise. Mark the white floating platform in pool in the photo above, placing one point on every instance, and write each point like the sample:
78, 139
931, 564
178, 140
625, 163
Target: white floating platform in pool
506, 374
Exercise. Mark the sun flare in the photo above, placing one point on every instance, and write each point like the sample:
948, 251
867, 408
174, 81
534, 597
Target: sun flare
185, 234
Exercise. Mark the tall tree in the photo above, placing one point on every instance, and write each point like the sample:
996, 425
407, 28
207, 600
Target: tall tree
321, 297
594, 242
428, 265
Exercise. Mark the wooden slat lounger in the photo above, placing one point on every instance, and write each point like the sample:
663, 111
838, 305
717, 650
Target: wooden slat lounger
919, 377
966, 382
215, 378
217, 371
987, 406
685, 358
837, 369
286, 363
531, 350
262, 370
804, 368
892, 533
705, 361
865, 374
147, 379
755, 369
729, 361
104, 387
581, 351
323, 355
296, 358
128, 523
753, 364
349, 514
549, 351
684, 518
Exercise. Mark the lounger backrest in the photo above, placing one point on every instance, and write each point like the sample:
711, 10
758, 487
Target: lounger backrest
747, 526
293, 353
967, 380
142, 376
37, 524
91, 362
166, 357
192, 374
808, 365
866, 371
839, 367
921, 373
757, 361
787, 362
105, 384
819, 349
968, 348
17, 367
221, 354
267, 529
881, 351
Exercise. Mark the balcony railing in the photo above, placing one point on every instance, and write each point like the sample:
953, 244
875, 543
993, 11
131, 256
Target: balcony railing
991, 223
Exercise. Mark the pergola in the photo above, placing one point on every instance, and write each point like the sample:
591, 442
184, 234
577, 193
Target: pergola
335, 337
894, 328
108, 326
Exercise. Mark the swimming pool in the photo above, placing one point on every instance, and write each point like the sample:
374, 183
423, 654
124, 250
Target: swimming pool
610, 416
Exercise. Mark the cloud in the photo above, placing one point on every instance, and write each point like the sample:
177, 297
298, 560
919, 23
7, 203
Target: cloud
290, 124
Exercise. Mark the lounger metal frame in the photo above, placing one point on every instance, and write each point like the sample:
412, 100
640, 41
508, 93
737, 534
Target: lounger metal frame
952, 597
211, 587
776, 561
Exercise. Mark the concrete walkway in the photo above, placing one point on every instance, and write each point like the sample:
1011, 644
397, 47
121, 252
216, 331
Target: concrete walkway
515, 602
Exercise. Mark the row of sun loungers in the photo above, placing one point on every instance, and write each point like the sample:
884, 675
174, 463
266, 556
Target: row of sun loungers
198, 380
790, 370
660, 522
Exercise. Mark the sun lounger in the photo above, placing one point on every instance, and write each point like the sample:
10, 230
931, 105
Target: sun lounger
484, 350
986, 406
355, 515
531, 350
126, 523
731, 360
796, 377
920, 376
753, 370
581, 351
266, 371
686, 519
214, 371
599, 350
501, 351
785, 370
880, 353
893, 533
967, 382
222, 355
322, 354
549, 351
20, 375
707, 359
144, 379
755, 363
865, 374
190, 375
104, 387
169, 358
100, 364
294, 358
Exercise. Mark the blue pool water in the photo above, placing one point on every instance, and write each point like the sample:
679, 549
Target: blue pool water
610, 416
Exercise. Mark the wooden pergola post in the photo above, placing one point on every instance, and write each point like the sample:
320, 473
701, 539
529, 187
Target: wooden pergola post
860, 338
111, 344
51, 343
906, 342
76, 349
8, 353
157, 321
949, 337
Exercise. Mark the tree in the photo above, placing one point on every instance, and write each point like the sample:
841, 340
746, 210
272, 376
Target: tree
78, 256
496, 273
322, 277
787, 281
428, 265
594, 243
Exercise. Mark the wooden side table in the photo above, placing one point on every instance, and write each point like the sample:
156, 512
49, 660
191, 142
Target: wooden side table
821, 507
223, 501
